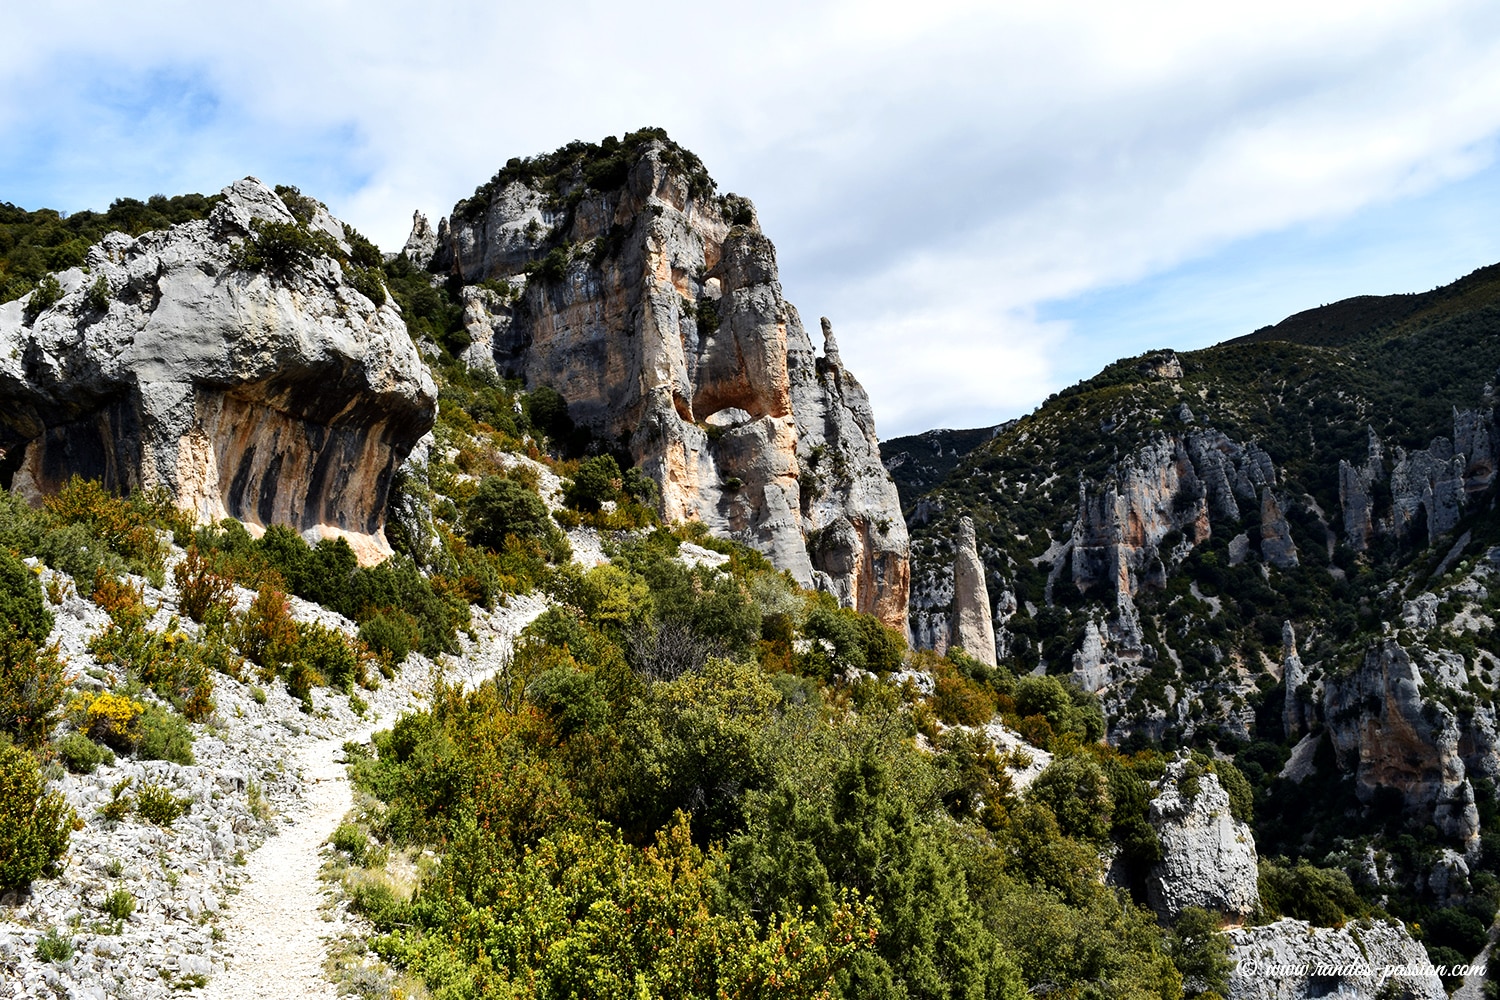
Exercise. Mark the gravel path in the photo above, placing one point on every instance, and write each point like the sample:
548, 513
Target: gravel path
275, 928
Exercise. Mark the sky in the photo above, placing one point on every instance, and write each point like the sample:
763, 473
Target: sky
989, 200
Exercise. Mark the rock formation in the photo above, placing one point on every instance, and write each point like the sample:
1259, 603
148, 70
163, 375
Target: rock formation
1390, 736
657, 313
1357, 497
1208, 857
1276, 546
1291, 959
267, 396
970, 626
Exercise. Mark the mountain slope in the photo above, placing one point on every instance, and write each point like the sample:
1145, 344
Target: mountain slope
1279, 548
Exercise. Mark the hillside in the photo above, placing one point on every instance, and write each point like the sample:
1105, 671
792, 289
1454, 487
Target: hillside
1280, 551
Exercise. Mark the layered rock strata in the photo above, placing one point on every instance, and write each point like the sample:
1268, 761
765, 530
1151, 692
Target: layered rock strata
657, 313
271, 397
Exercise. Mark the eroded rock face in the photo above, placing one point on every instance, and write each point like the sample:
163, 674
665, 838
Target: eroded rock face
1208, 857
265, 397
666, 332
1281, 961
971, 626
1389, 736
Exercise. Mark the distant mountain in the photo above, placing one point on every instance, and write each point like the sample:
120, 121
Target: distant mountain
1284, 549
918, 462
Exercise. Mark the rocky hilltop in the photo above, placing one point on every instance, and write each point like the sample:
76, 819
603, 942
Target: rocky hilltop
614, 275
271, 391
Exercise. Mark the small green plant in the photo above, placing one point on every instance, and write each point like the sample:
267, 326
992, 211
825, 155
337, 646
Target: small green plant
256, 799
119, 904
164, 736
53, 947
158, 805
119, 804
352, 841
115, 868
43, 297
97, 297
82, 755
258, 695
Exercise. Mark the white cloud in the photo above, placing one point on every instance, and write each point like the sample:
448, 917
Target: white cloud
931, 173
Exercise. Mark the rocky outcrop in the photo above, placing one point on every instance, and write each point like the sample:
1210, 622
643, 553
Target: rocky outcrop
272, 397
1299, 713
971, 627
1389, 736
1208, 857
1357, 495
1276, 545
657, 313
1292, 960
422, 243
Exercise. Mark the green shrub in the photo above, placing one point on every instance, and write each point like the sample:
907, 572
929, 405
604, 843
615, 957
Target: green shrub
81, 754
23, 605
597, 481
1321, 896
502, 506
97, 297
119, 904
351, 840
164, 736
44, 297
33, 680
35, 825
158, 805
54, 947
391, 634
328, 654
1076, 789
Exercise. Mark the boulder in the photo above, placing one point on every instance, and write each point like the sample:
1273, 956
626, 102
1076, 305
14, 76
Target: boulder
1208, 857
1291, 960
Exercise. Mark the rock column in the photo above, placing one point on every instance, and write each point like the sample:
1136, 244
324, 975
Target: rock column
970, 625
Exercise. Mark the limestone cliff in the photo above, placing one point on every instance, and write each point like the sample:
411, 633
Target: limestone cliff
267, 395
1390, 736
655, 309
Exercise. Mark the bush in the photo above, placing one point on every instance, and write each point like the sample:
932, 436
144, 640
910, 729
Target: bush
109, 718
1076, 789
35, 825
53, 947
597, 481
164, 736
158, 805
201, 586
48, 291
23, 606
119, 904
502, 506
351, 840
1321, 896
33, 680
391, 635
81, 754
